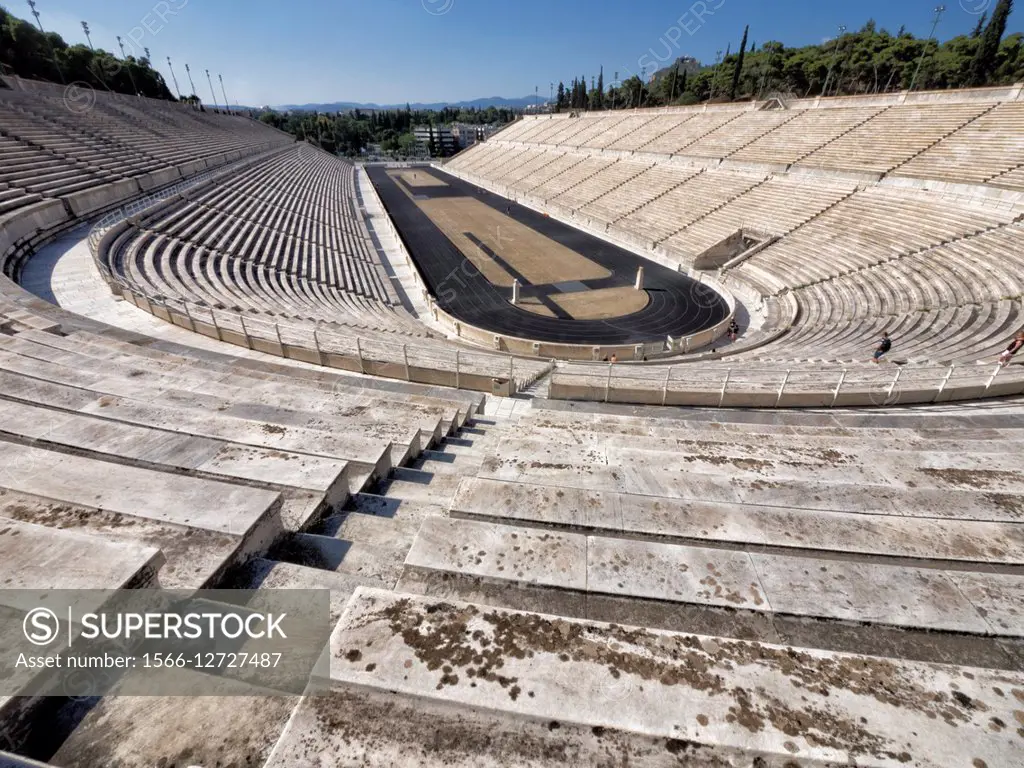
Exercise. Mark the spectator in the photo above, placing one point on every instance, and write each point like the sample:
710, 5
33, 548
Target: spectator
734, 329
613, 359
1013, 349
884, 345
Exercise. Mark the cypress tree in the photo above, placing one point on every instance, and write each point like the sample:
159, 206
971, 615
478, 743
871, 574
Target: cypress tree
600, 89
739, 65
987, 55
981, 25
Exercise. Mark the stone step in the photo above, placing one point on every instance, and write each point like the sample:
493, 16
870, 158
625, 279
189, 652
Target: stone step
48, 561
384, 506
445, 463
467, 445
960, 494
175, 730
159, 449
373, 560
19, 382
37, 557
735, 442
518, 457
438, 734
921, 417
365, 453
370, 529
694, 424
423, 487
235, 393
750, 583
261, 573
201, 526
790, 704
876, 533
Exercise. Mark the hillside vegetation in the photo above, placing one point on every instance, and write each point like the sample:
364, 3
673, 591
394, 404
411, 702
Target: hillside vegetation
27, 52
870, 60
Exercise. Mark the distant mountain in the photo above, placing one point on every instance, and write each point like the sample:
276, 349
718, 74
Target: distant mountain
344, 106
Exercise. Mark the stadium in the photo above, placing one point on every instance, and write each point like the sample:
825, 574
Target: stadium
578, 433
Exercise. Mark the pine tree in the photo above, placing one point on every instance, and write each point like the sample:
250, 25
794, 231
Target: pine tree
600, 90
739, 65
981, 25
561, 96
987, 55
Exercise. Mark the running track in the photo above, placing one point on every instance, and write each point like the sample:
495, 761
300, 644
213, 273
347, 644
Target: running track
678, 306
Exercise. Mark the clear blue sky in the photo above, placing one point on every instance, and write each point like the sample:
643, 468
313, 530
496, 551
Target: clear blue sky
392, 51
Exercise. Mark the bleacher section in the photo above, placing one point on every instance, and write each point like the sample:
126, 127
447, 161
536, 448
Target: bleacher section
526, 581
275, 254
867, 214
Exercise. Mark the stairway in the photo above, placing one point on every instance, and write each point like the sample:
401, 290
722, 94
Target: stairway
367, 541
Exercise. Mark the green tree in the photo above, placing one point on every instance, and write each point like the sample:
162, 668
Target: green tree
408, 144
739, 65
980, 27
986, 58
600, 90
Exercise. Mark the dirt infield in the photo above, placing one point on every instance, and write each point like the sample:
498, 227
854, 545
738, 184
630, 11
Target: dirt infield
488, 237
535, 305
598, 304
602, 303
417, 178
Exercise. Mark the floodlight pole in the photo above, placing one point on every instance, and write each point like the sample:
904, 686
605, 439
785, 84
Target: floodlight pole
219, 77
124, 58
214, 95
85, 28
189, 73
170, 66
939, 10
53, 53
832, 63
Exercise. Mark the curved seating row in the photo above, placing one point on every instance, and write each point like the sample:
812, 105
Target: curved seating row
935, 266
528, 591
936, 136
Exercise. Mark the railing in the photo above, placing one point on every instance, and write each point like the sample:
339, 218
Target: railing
321, 344
798, 386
